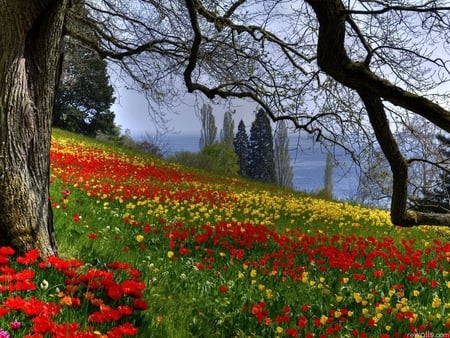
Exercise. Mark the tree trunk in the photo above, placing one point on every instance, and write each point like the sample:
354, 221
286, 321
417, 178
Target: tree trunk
333, 59
30, 37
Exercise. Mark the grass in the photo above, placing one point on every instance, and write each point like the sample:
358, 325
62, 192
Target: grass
218, 257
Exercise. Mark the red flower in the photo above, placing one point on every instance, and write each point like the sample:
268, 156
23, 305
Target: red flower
93, 235
140, 304
43, 324
223, 289
6, 251
302, 321
378, 273
29, 258
76, 217
359, 276
126, 329
290, 332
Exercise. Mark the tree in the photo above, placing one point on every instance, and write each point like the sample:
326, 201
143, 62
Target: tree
327, 190
282, 158
227, 133
370, 61
261, 165
371, 75
209, 130
84, 95
30, 36
241, 147
221, 159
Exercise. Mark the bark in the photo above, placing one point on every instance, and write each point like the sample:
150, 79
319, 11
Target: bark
30, 37
334, 60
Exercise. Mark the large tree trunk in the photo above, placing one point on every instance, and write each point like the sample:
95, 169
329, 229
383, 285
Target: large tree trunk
334, 60
30, 37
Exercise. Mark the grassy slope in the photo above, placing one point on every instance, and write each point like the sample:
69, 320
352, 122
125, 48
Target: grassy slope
154, 222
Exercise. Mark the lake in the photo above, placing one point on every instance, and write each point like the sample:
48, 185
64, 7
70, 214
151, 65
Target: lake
308, 163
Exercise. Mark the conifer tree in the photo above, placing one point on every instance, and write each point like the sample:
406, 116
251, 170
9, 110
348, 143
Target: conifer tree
283, 168
208, 132
84, 95
261, 165
227, 132
241, 147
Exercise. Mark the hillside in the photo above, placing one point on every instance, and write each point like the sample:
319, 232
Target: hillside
223, 257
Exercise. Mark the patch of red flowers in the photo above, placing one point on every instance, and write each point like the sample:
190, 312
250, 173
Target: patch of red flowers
107, 297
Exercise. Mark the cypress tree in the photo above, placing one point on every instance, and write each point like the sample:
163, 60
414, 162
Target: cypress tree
208, 132
261, 164
228, 128
283, 168
241, 147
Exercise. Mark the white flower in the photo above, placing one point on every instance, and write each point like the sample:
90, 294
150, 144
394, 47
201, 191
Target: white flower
44, 285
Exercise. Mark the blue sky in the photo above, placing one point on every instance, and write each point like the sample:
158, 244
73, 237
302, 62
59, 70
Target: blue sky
131, 109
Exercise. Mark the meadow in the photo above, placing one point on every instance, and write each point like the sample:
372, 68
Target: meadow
153, 249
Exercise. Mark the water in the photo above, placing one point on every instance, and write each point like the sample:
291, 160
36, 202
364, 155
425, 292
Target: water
308, 161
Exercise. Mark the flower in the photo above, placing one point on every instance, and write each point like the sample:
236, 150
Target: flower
4, 334
15, 325
44, 285
170, 254
139, 238
223, 289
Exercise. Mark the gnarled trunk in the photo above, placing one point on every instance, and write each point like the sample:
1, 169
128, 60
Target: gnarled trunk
30, 36
334, 60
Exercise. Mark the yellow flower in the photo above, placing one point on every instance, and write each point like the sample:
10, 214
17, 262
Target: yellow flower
436, 302
339, 298
261, 287
323, 319
240, 275
170, 254
279, 329
416, 293
139, 238
357, 297
253, 273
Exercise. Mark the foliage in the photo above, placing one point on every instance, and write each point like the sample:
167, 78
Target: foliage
241, 147
218, 257
227, 133
282, 158
208, 132
218, 158
261, 165
84, 95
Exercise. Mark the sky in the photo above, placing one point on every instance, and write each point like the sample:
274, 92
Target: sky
131, 110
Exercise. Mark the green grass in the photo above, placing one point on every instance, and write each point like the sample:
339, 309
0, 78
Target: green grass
225, 257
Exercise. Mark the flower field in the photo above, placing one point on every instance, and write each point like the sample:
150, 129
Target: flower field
151, 249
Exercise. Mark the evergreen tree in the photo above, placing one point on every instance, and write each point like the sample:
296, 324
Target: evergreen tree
261, 165
227, 133
241, 147
282, 158
208, 132
84, 95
